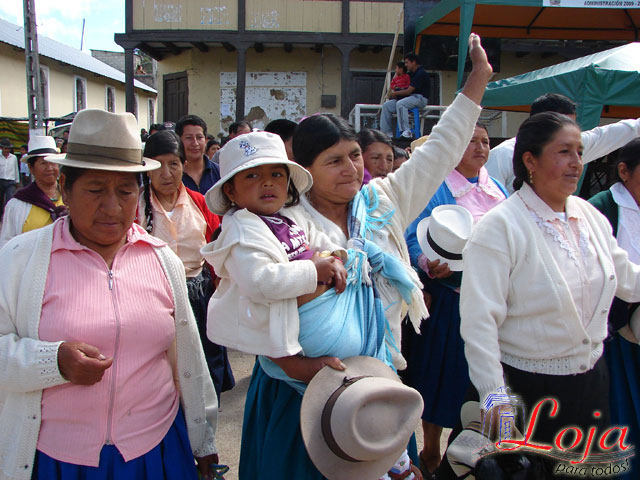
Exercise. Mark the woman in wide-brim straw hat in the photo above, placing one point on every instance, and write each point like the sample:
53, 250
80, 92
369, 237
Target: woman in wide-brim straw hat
38, 204
96, 328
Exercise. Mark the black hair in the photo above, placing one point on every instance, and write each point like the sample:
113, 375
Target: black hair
293, 195
553, 102
630, 154
160, 143
399, 152
482, 126
533, 135
25, 146
190, 120
282, 127
412, 57
235, 126
317, 133
210, 142
71, 174
366, 137
402, 66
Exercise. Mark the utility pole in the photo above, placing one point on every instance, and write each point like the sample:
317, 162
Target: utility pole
32, 64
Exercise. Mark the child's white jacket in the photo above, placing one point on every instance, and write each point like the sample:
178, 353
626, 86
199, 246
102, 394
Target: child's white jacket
254, 309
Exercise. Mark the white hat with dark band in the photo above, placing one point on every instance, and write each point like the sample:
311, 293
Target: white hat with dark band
40, 146
444, 234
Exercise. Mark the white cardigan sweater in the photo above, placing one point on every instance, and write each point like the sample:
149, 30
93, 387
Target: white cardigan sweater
515, 302
16, 213
29, 365
254, 309
406, 192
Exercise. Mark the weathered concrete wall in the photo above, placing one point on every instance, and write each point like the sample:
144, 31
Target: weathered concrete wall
321, 72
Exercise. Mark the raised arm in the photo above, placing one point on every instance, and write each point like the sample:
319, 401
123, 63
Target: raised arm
414, 183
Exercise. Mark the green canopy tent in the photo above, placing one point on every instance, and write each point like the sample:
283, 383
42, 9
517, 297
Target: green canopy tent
608, 20
603, 84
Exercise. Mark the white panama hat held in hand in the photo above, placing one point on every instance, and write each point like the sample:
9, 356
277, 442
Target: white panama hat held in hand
444, 234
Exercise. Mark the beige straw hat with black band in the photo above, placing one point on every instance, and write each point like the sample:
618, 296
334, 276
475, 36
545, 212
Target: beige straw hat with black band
356, 423
101, 140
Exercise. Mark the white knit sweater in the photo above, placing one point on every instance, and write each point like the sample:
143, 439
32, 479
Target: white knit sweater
515, 304
406, 192
29, 365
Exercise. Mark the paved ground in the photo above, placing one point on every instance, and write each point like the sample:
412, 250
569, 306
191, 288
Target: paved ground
230, 417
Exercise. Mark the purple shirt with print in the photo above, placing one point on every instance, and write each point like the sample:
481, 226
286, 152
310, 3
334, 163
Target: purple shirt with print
291, 236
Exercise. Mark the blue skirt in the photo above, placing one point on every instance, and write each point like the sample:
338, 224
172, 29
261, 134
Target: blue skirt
171, 459
272, 445
436, 364
623, 359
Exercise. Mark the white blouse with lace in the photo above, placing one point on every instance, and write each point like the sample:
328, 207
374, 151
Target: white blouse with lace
567, 236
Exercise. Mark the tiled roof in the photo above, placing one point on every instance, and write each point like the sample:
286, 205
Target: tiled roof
13, 34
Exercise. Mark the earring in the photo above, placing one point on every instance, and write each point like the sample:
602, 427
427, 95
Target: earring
531, 177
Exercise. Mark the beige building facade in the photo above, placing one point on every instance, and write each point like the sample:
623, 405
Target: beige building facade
71, 80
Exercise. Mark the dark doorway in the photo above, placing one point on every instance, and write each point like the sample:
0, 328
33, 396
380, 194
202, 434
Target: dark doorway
176, 96
366, 87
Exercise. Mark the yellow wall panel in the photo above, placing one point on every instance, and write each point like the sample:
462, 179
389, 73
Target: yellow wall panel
185, 14
373, 17
294, 15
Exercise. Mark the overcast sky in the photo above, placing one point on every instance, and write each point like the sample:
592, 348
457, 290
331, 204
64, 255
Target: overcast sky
61, 20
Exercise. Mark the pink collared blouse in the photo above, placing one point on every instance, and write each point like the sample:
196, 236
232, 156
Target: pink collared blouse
127, 313
478, 197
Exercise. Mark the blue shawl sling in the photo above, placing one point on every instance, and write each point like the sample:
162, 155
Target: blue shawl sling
353, 322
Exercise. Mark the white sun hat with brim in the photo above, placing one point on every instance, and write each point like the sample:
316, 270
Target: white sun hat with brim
356, 423
249, 151
101, 140
40, 146
443, 235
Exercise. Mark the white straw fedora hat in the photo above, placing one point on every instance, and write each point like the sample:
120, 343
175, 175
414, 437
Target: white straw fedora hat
248, 151
356, 423
102, 140
443, 235
40, 146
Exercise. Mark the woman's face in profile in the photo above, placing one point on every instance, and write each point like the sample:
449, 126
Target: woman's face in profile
102, 206
557, 170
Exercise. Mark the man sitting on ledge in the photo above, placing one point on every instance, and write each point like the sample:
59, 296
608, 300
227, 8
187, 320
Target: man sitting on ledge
402, 101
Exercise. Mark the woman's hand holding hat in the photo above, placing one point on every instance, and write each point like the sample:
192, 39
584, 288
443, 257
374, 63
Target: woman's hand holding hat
305, 368
437, 270
81, 363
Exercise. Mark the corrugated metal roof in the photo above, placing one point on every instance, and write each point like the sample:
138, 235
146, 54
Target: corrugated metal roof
14, 35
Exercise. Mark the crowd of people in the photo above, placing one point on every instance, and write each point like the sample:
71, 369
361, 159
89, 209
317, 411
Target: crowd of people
376, 287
